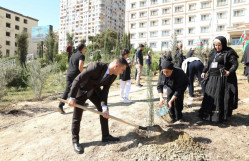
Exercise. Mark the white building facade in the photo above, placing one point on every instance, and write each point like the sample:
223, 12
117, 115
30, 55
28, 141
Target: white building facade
155, 21
89, 17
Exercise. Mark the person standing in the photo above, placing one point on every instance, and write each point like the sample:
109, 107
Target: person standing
177, 82
193, 66
125, 78
190, 53
69, 52
139, 64
221, 89
245, 61
75, 67
162, 57
148, 61
87, 85
179, 56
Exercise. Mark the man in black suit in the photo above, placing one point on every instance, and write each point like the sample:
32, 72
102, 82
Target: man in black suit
87, 86
75, 67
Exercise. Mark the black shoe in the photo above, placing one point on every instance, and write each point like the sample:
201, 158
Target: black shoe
139, 85
78, 148
109, 138
60, 109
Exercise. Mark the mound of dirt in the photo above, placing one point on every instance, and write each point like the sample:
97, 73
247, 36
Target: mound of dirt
170, 145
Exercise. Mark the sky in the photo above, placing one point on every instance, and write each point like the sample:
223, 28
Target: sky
46, 11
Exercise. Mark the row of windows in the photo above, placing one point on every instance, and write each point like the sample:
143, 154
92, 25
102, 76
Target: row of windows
16, 18
166, 43
177, 31
220, 15
8, 43
8, 25
180, 8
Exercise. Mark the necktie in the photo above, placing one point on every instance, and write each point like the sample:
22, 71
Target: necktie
105, 77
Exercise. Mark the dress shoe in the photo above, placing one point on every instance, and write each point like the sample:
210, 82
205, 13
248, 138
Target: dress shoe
60, 109
109, 138
78, 148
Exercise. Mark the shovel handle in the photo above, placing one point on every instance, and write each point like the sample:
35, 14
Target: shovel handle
100, 113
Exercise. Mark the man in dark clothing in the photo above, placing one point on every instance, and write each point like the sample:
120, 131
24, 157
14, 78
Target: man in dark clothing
190, 53
69, 52
245, 61
75, 67
179, 58
148, 61
162, 57
87, 85
139, 64
177, 82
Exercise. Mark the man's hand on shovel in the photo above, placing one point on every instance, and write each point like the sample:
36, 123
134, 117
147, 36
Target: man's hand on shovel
72, 102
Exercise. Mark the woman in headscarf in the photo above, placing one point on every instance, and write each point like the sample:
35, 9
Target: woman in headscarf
245, 61
176, 81
221, 93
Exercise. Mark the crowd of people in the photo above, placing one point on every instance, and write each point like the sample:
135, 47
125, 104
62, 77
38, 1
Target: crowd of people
217, 79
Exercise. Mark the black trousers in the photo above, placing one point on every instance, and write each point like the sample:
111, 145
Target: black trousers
195, 68
68, 56
176, 110
66, 92
77, 115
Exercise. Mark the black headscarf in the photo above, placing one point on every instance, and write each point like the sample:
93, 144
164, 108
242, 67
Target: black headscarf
167, 65
223, 41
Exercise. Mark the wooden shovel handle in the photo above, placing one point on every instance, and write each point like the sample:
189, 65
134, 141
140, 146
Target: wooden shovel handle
99, 113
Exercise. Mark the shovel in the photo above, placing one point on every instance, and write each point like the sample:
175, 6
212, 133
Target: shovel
156, 128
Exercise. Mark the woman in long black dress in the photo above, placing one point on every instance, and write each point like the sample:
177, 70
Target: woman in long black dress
221, 94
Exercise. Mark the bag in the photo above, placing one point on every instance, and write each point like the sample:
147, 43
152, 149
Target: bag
204, 81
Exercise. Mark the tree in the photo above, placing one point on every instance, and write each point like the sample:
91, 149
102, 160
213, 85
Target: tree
50, 43
124, 41
22, 48
173, 47
70, 38
117, 51
83, 41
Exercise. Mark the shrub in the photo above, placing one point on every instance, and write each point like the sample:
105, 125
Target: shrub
20, 80
62, 65
154, 67
96, 56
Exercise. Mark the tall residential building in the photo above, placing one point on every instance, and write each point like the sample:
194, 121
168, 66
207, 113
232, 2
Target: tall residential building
12, 24
155, 21
89, 17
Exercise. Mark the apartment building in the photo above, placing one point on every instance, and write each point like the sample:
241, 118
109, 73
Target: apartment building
155, 21
89, 17
12, 24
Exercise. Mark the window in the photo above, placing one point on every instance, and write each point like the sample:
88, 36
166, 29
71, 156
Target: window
165, 1
178, 20
179, 9
142, 35
17, 27
142, 24
221, 2
204, 17
143, 4
221, 28
221, 15
238, 1
133, 36
153, 34
7, 42
8, 34
17, 18
191, 30
133, 5
204, 29
142, 14
153, 45
25, 21
166, 22
15, 35
133, 15
205, 5
205, 41
178, 31
153, 13
236, 24
165, 33
165, 44
133, 25
153, 23
166, 10
153, 2
238, 13
191, 19
25, 29
8, 25
15, 44
8, 15
191, 7
191, 42
235, 40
